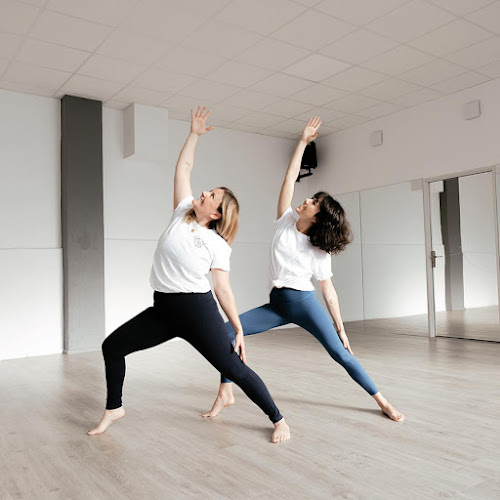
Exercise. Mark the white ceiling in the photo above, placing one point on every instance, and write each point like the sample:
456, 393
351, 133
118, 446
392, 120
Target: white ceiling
261, 66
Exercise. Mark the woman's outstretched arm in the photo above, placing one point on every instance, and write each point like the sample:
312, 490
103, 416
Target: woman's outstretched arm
182, 178
224, 293
332, 303
309, 133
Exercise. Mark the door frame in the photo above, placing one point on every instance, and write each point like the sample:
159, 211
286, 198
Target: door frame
431, 305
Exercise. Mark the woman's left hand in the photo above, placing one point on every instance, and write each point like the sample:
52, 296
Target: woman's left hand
239, 347
345, 341
199, 121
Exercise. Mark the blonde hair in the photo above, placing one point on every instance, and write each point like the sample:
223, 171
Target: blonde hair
227, 225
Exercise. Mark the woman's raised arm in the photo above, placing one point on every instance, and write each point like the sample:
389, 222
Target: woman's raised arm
182, 178
309, 133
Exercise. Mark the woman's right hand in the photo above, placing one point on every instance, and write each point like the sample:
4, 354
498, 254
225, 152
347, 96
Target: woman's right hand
311, 130
199, 121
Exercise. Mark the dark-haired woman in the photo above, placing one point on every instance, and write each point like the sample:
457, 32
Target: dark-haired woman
195, 242
301, 249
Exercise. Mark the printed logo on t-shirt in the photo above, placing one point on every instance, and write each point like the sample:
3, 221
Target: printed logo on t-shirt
198, 242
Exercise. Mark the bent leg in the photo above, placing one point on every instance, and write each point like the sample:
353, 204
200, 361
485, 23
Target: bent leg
142, 332
311, 315
257, 320
209, 337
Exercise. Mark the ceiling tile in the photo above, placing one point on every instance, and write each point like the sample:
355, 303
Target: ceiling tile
359, 12
180, 105
417, 97
241, 75
251, 100
313, 30
52, 56
318, 95
432, 73
382, 109
291, 126
91, 88
36, 3
488, 17
245, 128
492, 70
389, 89
158, 19
141, 96
355, 79
109, 12
206, 91
358, 47
272, 54
478, 55
398, 60
326, 115
34, 75
227, 113
68, 31
450, 38
352, 103
347, 121
276, 133
410, 20
111, 103
9, 44
316, 67
190, 61
200, 7
3, 65
461, 7
260, 119
221, 39
461, 82
132, 47
281, 85
288, 108
27, 89
17, 17
162, 81
309, 3
260, 16
114, 70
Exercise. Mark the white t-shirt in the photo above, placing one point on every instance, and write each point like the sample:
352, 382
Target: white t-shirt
185, 254
293, 259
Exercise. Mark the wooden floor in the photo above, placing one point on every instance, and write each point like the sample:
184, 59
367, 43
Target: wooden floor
479, 323
341, 447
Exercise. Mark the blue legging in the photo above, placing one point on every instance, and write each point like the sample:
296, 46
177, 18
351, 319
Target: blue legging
303, 308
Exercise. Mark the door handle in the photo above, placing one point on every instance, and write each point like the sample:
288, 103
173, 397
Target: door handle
434, 257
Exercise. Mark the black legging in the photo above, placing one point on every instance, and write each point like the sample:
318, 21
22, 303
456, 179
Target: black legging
193, 317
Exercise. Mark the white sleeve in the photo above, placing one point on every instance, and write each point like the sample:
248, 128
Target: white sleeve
286, 217
183, 206
222, 257
323, 267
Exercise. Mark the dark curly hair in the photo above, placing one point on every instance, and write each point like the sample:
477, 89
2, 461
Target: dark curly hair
331, 232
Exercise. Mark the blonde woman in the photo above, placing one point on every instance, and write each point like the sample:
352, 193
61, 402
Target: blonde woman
196, 241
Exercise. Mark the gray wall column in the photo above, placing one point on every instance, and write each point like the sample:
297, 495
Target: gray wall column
82, 223
452, 241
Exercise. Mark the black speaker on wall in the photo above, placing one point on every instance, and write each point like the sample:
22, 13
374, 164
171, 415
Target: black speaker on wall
309, 160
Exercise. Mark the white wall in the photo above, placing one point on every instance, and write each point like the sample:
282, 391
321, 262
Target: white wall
138, 198
428, 140
422, 142
30, 237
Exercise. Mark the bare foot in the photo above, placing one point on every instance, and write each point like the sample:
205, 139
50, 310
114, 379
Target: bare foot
107, 419
222, 401
281, 432
392, 413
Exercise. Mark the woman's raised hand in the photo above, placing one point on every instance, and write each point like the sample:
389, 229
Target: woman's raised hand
311, 130
199, 121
